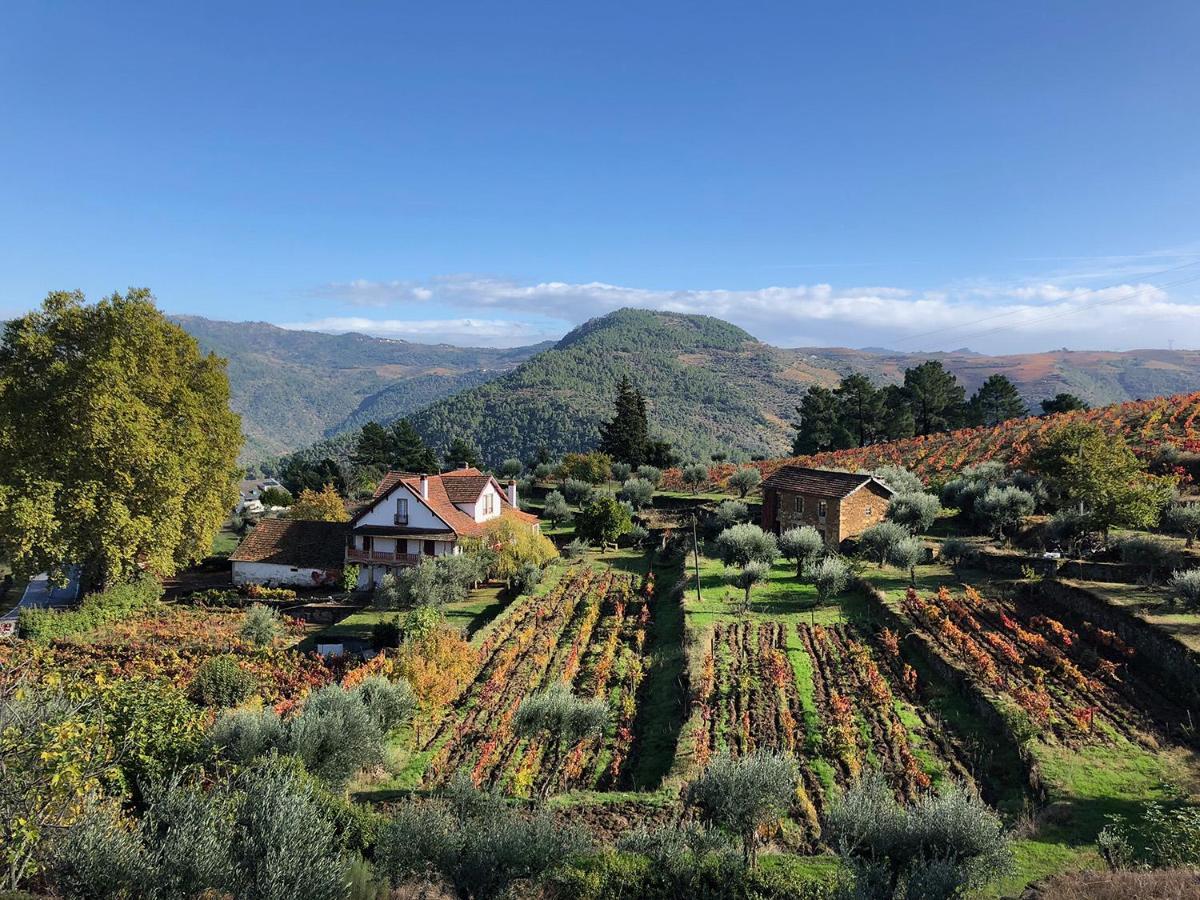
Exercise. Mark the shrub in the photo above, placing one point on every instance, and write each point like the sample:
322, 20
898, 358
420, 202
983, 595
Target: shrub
745, 795
561, 716
694, 477
114, 604
1185, 587
100, 855
217, 597
556, 508
651, 474
745, 480
275, 496
955, 550
335, 735
220, 681
1167, 836
916, 512
899, 479
939, 847
261, 625
829, 577
1146, 550
350, 575
262, 592
544, 471
803, 546
575, 549
730, 513
621, 471
603, 519
528, 577
390, 703
476, 841
877, 541
638, 492
577, 491
1002, 507
636, 536
385, 634
244, 735
741, 544
1183, 520
1069, 528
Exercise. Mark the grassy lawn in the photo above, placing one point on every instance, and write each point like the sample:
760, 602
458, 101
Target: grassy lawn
782, 597
225, 541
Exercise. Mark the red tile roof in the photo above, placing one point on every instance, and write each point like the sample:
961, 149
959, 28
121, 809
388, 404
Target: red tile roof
820, 482
445, 490
294, 542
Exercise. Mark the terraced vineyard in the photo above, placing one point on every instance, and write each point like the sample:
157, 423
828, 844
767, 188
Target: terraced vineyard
818, 693
589, 632
1077, 683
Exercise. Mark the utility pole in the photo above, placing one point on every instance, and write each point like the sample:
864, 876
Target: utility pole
696, 554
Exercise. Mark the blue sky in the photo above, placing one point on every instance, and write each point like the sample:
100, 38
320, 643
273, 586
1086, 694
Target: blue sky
1006, 176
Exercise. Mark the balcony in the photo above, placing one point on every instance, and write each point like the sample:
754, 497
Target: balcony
356, 554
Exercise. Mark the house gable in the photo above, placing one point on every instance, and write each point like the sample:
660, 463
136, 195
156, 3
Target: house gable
382, 511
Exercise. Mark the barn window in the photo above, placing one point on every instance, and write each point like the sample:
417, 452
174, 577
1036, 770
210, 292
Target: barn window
799, 505
821, 507
401, 510
870, 510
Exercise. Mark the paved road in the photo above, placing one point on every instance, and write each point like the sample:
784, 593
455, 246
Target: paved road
41, 593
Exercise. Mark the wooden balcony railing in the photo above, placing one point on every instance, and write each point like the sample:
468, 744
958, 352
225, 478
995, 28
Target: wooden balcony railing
355, 554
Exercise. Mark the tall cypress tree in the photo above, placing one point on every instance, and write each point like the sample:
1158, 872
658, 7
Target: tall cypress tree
626, 435
996, 401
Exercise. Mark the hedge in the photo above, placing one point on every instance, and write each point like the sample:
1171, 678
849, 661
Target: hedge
121, 601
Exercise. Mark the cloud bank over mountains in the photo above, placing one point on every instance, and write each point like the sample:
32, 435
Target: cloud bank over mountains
988, 318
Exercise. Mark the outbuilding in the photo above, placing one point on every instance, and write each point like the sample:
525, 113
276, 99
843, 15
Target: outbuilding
291, 552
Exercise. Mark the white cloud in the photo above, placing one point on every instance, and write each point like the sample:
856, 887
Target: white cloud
993, 319
464, 332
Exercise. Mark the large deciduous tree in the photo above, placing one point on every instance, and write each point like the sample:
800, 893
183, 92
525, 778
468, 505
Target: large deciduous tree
1099, 472
118, 450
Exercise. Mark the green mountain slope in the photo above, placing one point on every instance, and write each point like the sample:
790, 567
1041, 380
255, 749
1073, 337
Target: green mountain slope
295, 387
713, 387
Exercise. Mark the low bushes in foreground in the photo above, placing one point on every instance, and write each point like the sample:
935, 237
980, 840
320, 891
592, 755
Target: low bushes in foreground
118, 602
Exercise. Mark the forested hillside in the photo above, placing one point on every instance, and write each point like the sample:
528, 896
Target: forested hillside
295, 387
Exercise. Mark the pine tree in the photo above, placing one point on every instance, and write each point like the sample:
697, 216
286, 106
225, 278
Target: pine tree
1062, 402
461, 452
625, 437
817, 430
374, 447
935, 397
996, 401
860, 409
897, 422
408, 451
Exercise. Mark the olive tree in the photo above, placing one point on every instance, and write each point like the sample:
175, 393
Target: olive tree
556, 508
1185, 587
637, 491
745, 480
1001, 508
915, 511
899, 479
730, 513
1183, 520
652, 474
955, 550
745, 795
803, 546
943, 845
741, 544
877, 541
695, 476
748, 576
829, 577
907, 554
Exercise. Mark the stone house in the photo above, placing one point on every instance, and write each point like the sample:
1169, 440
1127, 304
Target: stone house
840, 505
291, 552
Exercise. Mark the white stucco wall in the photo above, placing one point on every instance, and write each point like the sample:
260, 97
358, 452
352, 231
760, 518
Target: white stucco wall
475, 510
272, 574
419, 515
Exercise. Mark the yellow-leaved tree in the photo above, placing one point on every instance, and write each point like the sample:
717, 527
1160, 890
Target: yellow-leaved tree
325, 505
118, 450
512, 545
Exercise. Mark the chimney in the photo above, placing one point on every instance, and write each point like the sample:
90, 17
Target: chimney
512, 493
424, 487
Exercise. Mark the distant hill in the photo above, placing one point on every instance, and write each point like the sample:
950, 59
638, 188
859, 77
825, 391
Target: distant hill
714, 387
296, 387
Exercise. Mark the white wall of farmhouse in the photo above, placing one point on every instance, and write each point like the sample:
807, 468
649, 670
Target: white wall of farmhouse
419, 515
486, 507
275, 574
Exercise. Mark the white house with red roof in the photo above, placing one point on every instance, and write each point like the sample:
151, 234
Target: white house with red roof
414, 515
